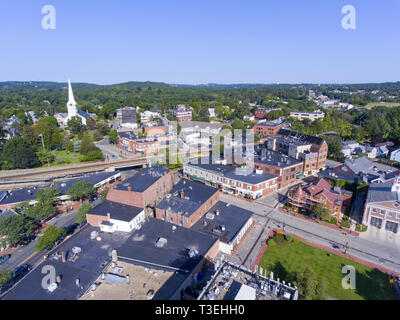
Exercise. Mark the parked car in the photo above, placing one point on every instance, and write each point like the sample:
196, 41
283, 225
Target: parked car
71, 228
4, 258
20, 271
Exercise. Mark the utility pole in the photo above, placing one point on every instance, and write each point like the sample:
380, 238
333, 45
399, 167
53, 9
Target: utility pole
41, 136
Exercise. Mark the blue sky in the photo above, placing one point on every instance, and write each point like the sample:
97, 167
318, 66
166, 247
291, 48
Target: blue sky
186, 41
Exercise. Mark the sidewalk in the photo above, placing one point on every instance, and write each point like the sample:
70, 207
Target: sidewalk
323, 223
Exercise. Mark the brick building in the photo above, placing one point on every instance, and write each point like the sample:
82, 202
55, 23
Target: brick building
144, 189
382, 209
304, 198
267, 128
286, 168
241, 181
187, 203
312, 150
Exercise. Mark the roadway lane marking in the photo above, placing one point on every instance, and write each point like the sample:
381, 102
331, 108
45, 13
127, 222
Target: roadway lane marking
27, 259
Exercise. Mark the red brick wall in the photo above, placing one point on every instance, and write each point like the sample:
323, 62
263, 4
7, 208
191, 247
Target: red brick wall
203, 209
94, 219
146, 198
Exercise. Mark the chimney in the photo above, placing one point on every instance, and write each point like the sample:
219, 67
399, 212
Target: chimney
182, 194
63, 256
129, 189
108, 216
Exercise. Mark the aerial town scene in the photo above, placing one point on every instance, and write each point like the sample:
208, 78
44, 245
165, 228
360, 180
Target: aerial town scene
159, 150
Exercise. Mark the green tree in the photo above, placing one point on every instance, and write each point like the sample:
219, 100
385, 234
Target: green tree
19, 154
93, 156
5, 277
81, 214
103, 128
52, 136
87, 145
75, 125
16, 228
46, 204
50, 235
310, 288
113, 136
320, 211
81, 189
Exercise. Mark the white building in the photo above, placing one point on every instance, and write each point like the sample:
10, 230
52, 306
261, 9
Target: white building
395, 155
211, 112
301, 115
73, 111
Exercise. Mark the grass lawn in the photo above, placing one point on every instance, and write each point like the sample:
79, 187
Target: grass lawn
68, 157
382, 104
287, 257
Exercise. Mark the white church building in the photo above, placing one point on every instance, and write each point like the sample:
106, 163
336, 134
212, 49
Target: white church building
62, 118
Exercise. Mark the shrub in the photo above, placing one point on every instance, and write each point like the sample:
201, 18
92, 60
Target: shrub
361, 228
295, 240
289, 238
271, 242
278, 237
345, 223
333, 220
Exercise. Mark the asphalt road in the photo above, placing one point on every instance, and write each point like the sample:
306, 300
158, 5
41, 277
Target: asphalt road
268, 217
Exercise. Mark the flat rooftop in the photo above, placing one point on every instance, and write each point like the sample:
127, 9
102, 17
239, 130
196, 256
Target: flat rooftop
277, 159
93, 258
93, 178
166, 246
142, 179
194, 195
117, 210
142, 280
231, 217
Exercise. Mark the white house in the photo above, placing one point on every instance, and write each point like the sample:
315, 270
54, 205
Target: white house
395, 155
113, 216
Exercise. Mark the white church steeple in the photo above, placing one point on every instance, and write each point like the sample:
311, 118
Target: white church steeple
71, 104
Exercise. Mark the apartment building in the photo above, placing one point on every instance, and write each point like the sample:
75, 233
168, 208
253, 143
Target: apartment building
267, 128
312, 116
245, 182
182, 113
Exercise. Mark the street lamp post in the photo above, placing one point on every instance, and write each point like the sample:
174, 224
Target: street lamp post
41, 136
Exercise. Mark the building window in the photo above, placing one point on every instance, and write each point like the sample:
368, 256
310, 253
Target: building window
382, 212
376, 222
391, 226
374, 210
390, 214
398, 216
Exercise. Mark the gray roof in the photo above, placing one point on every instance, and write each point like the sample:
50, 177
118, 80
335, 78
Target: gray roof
117, 211
249, 177
24, 194
129, 116
277, 159
142, 179
141, 247
231, 217
92, 260
360, 165
93, 178
340, 175
195, 194
380, 192
7, 213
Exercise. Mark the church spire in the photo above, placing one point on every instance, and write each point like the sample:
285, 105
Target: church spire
71, 99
